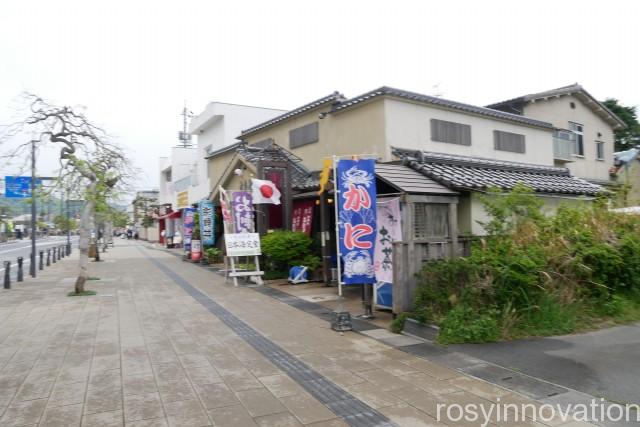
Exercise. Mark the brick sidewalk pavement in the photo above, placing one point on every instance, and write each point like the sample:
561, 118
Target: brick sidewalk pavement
166, 343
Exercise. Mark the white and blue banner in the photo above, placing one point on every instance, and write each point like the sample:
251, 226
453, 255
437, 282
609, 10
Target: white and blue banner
207, 222
389, 230
357, 219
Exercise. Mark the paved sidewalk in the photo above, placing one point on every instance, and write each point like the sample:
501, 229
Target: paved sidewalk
167, 343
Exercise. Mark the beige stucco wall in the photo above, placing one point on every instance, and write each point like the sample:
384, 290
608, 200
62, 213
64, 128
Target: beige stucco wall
408, 125
220, 165
217, 167
356, 131
558, 112
474, 209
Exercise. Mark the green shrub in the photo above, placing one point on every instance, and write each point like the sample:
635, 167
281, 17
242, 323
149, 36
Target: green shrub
284, 249
195, 234
465, 324
275, 274
535, 274
549, 317
614, 306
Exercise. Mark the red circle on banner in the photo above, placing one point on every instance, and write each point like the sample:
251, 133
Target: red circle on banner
266, 191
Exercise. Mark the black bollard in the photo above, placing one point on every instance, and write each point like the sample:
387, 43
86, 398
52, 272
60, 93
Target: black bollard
53, 258
41, 266
7, 276
48, 257
60, 252
20, 272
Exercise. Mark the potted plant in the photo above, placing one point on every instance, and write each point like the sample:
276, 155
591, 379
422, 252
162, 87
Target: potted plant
213, 255
196, 244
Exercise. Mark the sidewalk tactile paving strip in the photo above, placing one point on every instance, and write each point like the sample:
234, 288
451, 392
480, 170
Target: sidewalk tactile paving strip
340, 402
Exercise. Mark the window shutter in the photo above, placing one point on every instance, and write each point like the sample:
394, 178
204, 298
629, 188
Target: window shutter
450, 132
507, 141
307, 134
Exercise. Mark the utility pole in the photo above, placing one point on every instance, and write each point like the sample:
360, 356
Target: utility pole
32, 265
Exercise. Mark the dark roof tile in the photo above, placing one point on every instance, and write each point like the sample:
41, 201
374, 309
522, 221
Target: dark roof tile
471, 173
334, 97
440, 102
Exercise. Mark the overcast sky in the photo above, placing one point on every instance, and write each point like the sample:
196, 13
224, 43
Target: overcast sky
133, 63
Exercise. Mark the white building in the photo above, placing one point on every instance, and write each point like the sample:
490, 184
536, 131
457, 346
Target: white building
175, 176
217, 127
583, 139
184, 175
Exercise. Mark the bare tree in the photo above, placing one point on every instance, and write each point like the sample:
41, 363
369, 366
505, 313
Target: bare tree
91, 165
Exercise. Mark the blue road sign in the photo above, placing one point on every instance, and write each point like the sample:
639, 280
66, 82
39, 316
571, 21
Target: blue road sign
18, 187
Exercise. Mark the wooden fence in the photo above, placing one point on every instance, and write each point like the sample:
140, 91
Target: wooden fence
408, 259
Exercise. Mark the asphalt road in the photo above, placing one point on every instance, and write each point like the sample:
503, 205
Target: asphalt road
12, 250
604, 363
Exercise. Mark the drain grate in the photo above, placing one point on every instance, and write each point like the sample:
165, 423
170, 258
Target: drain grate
351, 410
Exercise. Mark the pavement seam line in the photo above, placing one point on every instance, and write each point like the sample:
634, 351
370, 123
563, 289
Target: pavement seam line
334, 398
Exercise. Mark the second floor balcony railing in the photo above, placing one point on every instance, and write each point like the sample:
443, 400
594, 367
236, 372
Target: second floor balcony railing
563, 148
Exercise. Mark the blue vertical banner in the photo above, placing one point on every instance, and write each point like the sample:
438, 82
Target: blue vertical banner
207, 222
357, 219
188, 217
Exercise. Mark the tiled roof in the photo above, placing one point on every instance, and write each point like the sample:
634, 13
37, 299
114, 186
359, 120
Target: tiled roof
226, 149
472, 173
439, 102
334, 97
515, 104
408, 180
300, 176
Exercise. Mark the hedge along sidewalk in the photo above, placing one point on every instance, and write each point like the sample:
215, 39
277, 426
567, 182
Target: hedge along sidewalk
448, 371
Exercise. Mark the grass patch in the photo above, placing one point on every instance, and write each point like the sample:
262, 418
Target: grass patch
81, 294
397, 325
93, 278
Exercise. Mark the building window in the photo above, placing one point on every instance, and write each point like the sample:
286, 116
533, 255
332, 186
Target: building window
578, 131
307, 134
451, 132
430, 220
599, 150
507, 141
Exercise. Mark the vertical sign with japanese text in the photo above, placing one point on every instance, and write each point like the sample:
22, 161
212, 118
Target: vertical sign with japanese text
302, 216
357, 219
188, 216
207, 226
242, 207
389, 230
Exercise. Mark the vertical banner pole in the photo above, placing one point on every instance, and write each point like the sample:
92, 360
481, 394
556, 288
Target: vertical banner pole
336, 196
